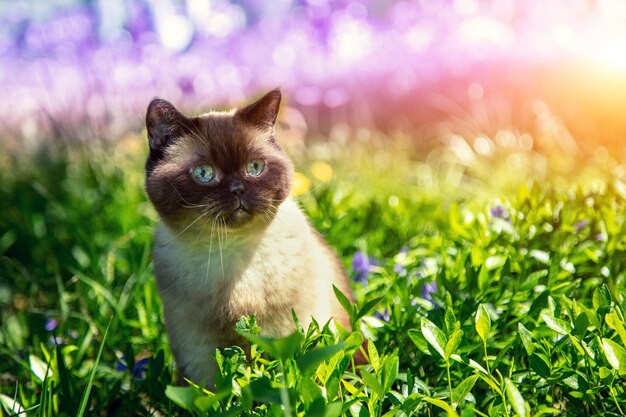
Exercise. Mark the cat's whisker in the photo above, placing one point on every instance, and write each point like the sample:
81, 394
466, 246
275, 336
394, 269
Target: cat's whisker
200, 234
208, 265
189, 205
191, 224
219, 241
270, 212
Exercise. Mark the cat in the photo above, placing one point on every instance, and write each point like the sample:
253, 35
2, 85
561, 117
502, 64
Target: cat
230, 241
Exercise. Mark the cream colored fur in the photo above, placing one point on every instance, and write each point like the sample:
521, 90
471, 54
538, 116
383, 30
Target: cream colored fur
208, 282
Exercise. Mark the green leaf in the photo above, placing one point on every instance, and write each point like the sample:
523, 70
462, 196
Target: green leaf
601, 298
614, 320
490, 381
418, 340
345, 303
464, 388
483, 323
183, 397
310, 391
12, 405
371, 381
207, 401
516, 399
39, 368
450, 320
280, 348
372, 352
367, 307
308, 362
615, 354
540, 364
263, 391
605, 373
494, 262
247, 324
453, 343
434, 336
558, 325
389, 371
581, 324
317, 408
443, 405
526, 337
333, 409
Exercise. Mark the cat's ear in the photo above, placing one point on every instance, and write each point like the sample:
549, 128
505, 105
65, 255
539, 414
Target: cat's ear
263, 112
163, 122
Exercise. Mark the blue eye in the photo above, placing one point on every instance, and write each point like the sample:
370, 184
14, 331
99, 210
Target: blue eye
255, 168
203, 173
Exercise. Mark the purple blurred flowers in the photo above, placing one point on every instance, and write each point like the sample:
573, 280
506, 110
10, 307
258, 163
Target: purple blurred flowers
581, 224
361, 265
51, 324
55, 341
99, 62
499, 212
384, 316
429, 288
399, 269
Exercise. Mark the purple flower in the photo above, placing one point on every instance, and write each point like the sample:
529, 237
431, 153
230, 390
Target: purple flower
499, 212
428, 289
580, 225
51, 324
599, 237
361, 264
399, 269
384, 316
56, 341
139, 369
73, 334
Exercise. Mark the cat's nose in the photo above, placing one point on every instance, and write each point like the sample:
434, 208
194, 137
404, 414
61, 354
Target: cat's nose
237, 188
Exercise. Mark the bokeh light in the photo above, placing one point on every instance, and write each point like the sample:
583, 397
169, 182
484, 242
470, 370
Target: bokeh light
90, 67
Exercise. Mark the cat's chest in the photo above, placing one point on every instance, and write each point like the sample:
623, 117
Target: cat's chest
216, 288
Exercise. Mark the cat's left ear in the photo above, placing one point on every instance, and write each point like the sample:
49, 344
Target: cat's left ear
163, 122
263, 112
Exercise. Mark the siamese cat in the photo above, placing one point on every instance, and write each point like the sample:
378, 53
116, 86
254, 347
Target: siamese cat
230, 241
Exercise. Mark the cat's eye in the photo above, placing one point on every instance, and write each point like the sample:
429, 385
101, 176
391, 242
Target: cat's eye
255, 168
203, 173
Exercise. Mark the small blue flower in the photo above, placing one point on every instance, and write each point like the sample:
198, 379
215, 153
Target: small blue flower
399, 269
499, 212
362, 264
139, 369
51, 324
384, 316
55, 341
428, 289
580, 225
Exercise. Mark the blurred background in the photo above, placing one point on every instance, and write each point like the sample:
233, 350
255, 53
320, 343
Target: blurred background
548, 75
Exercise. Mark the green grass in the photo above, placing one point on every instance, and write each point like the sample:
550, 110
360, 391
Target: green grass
528, 314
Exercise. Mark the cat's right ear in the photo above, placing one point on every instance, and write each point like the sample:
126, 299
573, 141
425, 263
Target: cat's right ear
163, 122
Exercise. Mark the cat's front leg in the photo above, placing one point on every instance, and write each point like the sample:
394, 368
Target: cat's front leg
196, 359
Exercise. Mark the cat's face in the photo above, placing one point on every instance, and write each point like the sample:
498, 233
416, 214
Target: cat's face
215, 170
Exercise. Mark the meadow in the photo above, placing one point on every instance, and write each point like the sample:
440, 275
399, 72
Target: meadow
487, 284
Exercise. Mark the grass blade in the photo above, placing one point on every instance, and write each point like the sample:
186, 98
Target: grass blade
85, 398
